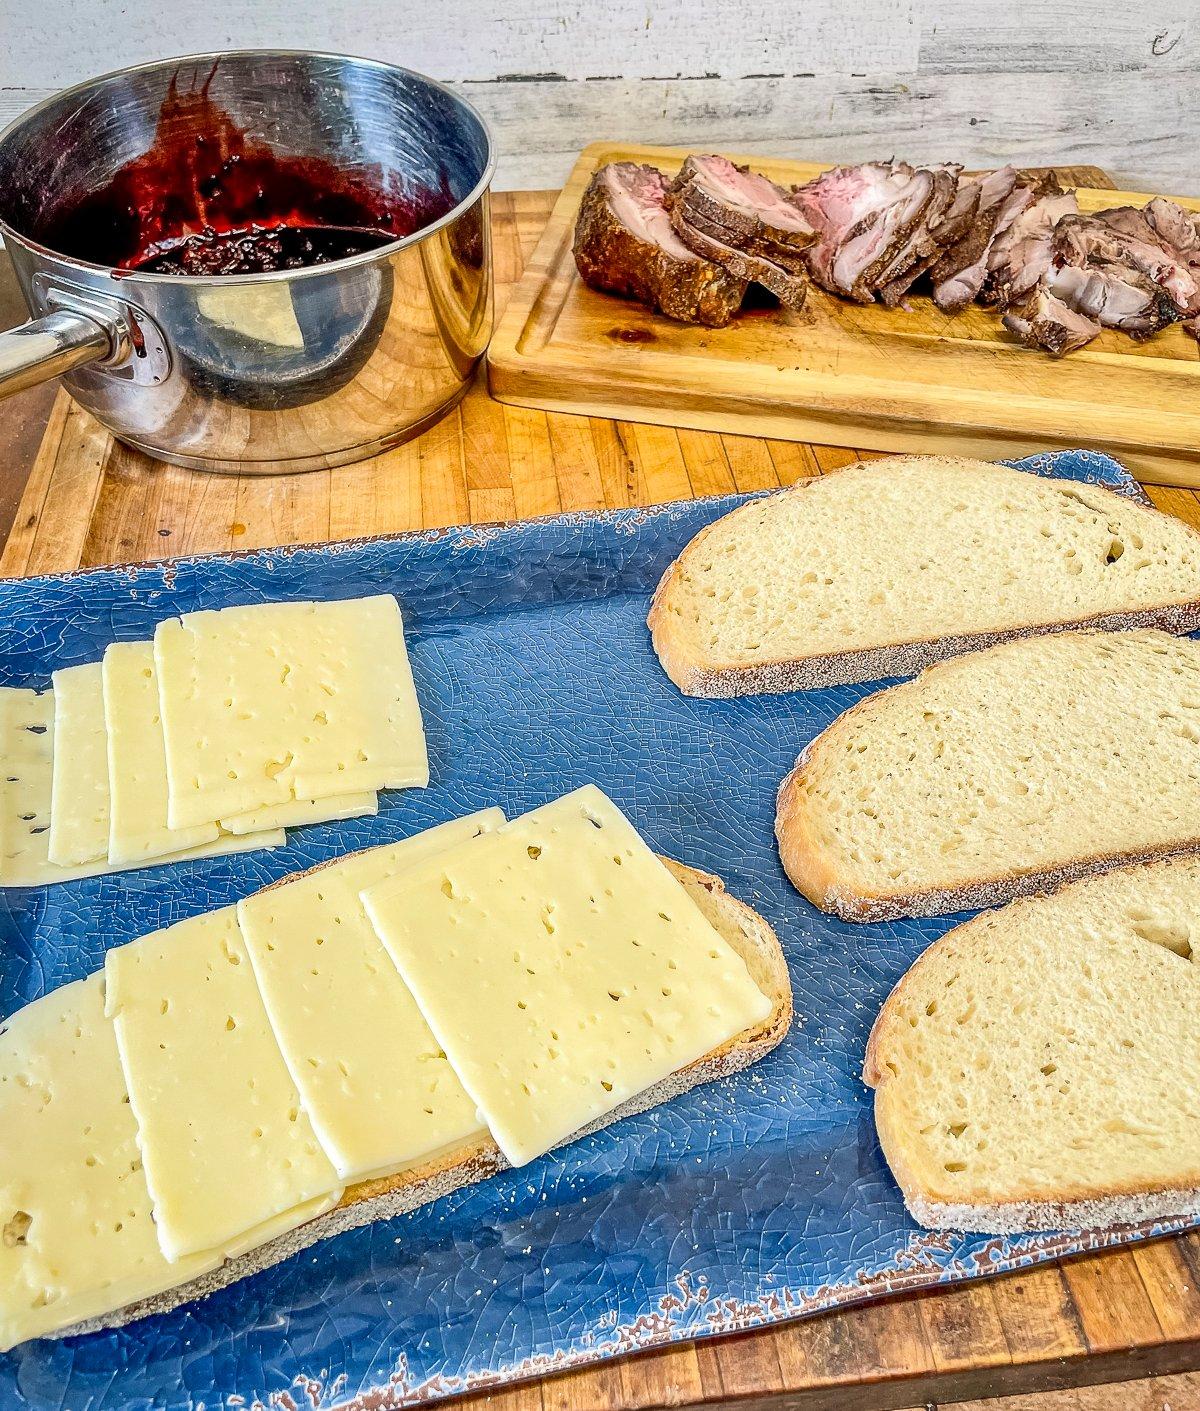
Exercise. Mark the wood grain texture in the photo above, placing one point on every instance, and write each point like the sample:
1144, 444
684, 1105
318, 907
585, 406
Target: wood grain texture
1095, 1319
982, 83
907, 379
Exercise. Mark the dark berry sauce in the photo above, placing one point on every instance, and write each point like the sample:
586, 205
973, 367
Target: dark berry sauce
260, 250
210, 199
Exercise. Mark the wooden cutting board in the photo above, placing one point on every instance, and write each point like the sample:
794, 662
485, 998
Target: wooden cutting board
908, 379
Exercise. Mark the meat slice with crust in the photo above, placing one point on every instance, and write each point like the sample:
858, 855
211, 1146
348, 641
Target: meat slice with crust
712, 242
624, 244
953, 227
1043, 321
864, 216
1113, 295
1021, 254
749, 207
958, 275
1126, 231
921, 240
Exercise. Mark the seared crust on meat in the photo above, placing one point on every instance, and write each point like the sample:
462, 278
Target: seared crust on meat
746, 222
790, 289
614, 257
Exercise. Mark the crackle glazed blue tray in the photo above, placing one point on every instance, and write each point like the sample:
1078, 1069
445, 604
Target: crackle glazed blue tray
748, 1201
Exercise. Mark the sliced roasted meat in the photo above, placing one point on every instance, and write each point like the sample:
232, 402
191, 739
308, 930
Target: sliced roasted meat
1113, 295
864, 216
1043, 321
958, 275
709, 242
922, 239
624, 244
685, 212
1021, 254
1127, 233
1175, 227
751, 209
945, 234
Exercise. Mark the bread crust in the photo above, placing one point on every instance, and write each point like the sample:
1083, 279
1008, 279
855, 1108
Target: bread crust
697, 677
819, 881
1071, 1208
816, 877
381, 1199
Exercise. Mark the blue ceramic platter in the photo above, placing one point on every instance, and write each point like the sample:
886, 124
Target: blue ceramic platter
750, 1201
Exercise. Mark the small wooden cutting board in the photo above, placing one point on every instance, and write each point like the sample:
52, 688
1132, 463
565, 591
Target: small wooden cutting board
906, 379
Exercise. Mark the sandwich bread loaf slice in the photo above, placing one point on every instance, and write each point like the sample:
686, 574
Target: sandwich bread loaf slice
1039, 1066
999, 773
879, 569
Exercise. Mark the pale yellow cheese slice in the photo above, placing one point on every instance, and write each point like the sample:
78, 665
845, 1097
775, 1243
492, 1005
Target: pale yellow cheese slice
138, 829
224, 1138
375, 1084
79, 794
26, 783
76, 1235
562, 968
297, 812
278, 701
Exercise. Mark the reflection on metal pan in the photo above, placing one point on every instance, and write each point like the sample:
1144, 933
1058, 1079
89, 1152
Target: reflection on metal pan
297, 369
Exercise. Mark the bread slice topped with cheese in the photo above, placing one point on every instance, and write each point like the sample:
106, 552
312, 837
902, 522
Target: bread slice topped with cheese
356, 1041
999, 773
879, 569
1038, 1067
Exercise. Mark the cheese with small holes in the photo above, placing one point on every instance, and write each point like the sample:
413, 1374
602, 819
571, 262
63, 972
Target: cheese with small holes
225, 1142
138, 828
379, 1092
297, 812
279, 701
562, 968
26, 747
79, 792
76, 1234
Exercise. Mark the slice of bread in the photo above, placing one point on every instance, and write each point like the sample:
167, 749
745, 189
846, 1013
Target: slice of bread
999, 773
879, 569
380, 1199
1039, 1067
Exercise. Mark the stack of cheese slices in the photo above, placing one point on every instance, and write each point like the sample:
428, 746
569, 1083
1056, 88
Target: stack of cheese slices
214, 737
354, 1041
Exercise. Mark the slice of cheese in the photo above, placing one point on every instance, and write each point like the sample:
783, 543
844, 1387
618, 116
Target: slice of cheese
138, 829
77, 1237
79, 795
26, 788
375, 1084
298, 812
562, 968
224, 1139
76, 1234
280, 701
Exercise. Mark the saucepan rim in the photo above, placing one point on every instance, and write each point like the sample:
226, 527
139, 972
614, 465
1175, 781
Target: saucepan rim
366, 257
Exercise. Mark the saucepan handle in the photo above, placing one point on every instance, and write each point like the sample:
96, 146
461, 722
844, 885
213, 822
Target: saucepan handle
49, 346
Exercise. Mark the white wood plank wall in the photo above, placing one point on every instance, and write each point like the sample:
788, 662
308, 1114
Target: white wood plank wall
1104, 81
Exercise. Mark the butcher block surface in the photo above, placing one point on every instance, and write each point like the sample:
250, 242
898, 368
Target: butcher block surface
905, 379
84, 500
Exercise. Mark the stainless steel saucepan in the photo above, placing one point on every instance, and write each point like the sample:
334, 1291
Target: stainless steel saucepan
294, 370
